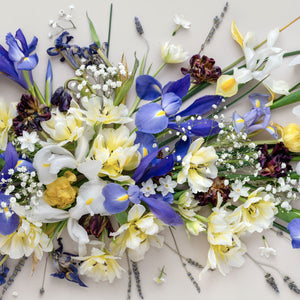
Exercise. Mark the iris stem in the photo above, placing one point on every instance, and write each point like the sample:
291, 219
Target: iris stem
134, 106
109, 29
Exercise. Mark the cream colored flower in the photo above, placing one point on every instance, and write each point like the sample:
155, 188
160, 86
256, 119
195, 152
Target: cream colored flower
258, 212
137, 234
100, 265
7, 113
64, 127
180, 21
224, 257
173, 54
104, 113
116, 150
198, 166
26, 240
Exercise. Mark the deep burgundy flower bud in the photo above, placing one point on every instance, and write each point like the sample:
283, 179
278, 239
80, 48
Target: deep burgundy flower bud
62, 99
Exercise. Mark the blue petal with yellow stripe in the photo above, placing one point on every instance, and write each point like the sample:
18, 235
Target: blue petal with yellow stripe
150, 118
238, 122
148, 88
147, 141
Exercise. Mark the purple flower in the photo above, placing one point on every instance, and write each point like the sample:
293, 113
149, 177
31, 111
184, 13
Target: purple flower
18, 59
202, 69
276, 164
62, 99
30, 115
294, 229
257, 118
154, 117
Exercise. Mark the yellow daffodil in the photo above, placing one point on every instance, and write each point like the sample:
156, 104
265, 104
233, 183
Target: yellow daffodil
7, 113
26, 240
236, 35
100, 265
61, 193
198, 166
116, 150
137, 234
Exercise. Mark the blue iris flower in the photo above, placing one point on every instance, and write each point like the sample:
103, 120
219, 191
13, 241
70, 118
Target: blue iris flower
147, 142
257, 118
294, 229
18, 58
154, 117
117, 200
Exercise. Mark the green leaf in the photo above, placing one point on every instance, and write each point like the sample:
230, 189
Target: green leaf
127, 84
39, 94
289, 99
287, 216
122, 217
93, 32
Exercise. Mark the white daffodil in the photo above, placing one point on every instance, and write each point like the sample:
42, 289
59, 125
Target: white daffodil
7, 113
260, 64
28, 140
100, 265
238, 190
173, 54
116, 150
137, 234
29, 238
198, 166
167, 185
148, 187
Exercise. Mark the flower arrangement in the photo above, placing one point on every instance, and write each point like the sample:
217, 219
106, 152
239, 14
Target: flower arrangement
114, 174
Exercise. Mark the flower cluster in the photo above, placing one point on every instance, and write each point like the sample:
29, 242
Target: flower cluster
115, 176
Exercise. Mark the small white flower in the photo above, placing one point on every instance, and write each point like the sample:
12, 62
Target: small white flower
180, 21
28, 140
238, 190
148, 187
267, 251
167, 185
286, 205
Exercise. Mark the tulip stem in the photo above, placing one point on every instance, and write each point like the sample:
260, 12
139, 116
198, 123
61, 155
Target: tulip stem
159, 69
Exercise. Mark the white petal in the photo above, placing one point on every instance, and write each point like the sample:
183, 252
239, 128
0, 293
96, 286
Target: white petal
136, 212
90, 169
296, 111
272, 37
295, 61
242, 75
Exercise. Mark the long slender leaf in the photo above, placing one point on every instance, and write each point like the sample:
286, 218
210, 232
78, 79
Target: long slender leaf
127, 84
93, 32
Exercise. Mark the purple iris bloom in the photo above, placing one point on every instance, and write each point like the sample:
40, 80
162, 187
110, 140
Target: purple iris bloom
117, 200
154, 117
257, 118
9, 221
294, 228
148, 143
18, 59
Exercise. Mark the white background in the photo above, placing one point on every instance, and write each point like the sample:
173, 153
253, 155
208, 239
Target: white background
156, 16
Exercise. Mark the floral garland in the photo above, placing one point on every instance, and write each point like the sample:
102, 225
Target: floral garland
114, 175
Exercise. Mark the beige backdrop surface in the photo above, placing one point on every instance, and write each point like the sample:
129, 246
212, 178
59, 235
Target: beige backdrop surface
156, 16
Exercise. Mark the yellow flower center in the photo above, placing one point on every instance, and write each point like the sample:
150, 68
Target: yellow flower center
228, 84
123, 198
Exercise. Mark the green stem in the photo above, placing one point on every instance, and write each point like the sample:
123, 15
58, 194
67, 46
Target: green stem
109, 29
134, 106
159, 69
3, 260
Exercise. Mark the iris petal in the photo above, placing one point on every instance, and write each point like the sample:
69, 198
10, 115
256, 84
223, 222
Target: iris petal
179, 87
149, 118
147, 87
201, 106
28, 63
171, 103
116, 198
163, 210
147, 141
294, 229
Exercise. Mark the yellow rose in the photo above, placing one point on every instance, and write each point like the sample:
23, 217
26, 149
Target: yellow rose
290, 135
60, 193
